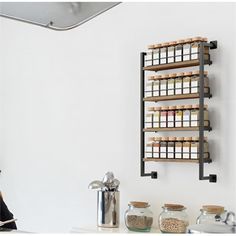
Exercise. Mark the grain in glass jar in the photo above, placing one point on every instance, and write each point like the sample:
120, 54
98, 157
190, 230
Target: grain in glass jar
186, 82
173, 219
171, 116
149, 87
171, 84
156, 85
164, 53
179, 83
156, 147
179, 116
139, 217
179, 147
156, 117
187, 115
163, 117
187, 45
211, 214
171, 147
195, 116
186, 147
195, 82
179, 51
171, 54
163, 147
163, 87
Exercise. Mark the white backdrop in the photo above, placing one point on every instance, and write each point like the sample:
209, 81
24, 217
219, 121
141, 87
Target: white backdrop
70, 112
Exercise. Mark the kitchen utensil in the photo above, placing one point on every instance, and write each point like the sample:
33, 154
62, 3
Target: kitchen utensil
108, 178
96, 184
7, 221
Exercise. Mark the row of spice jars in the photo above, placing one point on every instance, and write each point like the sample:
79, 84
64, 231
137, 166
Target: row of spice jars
172, 219
175, 51
175, 148
175, 116
175, 84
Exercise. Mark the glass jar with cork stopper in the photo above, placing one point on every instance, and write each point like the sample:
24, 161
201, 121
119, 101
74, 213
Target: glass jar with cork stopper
139, 217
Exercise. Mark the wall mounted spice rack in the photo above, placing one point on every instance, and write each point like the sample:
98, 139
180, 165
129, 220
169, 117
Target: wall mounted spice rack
177, 86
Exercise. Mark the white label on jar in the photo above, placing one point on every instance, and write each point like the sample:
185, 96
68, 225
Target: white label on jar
170, 87
148, 148
170, 152
178, 152
186, 85
156, 88
156, 121
148, 155
148, 121
163, 119
163, 152
178, 87
163, 55
170, 119
186, 118
148, 92
194, 118
178, 119
194, 86
186, 152
186, 52
170, 54
156, 55
148, 59
194, 154
178, 53
163, 87
194, 52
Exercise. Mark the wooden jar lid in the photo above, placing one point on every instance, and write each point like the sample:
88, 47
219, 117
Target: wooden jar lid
139, 204
151, 108
151, 77
180, 138
172, 138
174, 207
188, 40
154, 139
164, 108
181, 41
165, 44
188, 73
213, 209
197, 39
180, 107
187, 138
196, 106
172, 107
158, 45
164, 139
152, 46
157, 77
204, 39
165, 76
172, 43
180, 74
197, 72
187, 106
173, 75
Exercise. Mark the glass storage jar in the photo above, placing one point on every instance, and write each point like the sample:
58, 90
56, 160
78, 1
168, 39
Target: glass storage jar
211, 214
173, 219
139, 217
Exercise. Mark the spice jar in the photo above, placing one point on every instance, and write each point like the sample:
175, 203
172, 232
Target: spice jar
194, 148
179, 83
163, 88
186, 46
149, 88
156, 147
148, 58
149, 120
186, 115
211, 214
163, 117
195, 82
171, 147
156, 86
139, 217
179, 147
179, 116
164, 53
195, 48
195, 115
149, 150
171, 49
171, 82
179, 51
186, 147
171, 116
163, 147
158, 57
173, 219
155, 56
186, 82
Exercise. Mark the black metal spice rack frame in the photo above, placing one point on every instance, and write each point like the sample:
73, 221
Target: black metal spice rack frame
202, 60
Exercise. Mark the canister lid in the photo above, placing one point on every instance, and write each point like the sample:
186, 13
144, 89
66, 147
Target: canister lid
150, 108
172, 75
172, 43
151, 77
196, 106
188, 73
164, 108
165, 44
180, 74
180, 138
188, 40
180, 41
154, 139
197, 39
195, 138
174, 207
157, 77
180, 107
172, 107
165, 76
187, 138
204, 39
188, 106
213, 209
172, 138
157, 108
139, 204
165, 139
197, 72
152, 46
158, 45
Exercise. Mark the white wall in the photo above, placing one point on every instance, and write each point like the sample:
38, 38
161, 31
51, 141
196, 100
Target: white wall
70, 112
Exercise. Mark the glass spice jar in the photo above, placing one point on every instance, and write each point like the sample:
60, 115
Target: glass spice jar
139, 217
163, 147
173, 219
163, 116
186, 82
187, 147
179, 147
171, 82
156, 85
179, 83
171, 147
171, 116
163, 85
156, 117
179, 116
211, 214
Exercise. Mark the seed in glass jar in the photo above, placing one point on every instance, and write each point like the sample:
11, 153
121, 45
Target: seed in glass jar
173, 225
139, 222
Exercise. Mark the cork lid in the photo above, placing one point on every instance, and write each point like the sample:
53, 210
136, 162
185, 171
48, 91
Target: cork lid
158, 45
172, 43
197, 72
213, 209
172, 75
174, 207
172, 138
197, 39
172, 107
139, 204
154, 139
188, 40
151, 108
164, 108
151, 77
157, 108
187, 138
180, 138
157, 77
165, 44
152, 46
204, 39
187, 106
165, 76
188, 73
164, 139
195, 138
181, 41
180, 107
180, 74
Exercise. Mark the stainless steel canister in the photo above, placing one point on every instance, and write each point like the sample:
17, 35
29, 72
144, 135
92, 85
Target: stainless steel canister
108, 209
